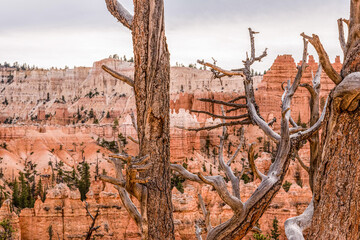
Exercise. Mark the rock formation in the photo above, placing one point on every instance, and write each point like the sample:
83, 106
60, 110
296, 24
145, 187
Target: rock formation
48, 128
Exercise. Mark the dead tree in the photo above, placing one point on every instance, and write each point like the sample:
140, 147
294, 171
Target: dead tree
333, 212
92, 227
246, 214
151, 84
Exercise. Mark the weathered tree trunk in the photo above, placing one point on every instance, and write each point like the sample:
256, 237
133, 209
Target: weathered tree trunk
337, 186
352, 51
152, 81
337, 182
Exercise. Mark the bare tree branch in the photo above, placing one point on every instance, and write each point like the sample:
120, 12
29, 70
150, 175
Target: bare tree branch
242, 141
133, 120
218, 69
205, 212
309, 88
272, 122
92, 227
292, 122
114, 181
119, 76
302, 164
185, 173
219, 116
225, 167
237, 99
324, 58
120, 13
234, 123
253, 167
300, 136
222, 102
217, 182
198, 231
252, 39
342, 35
133, 140
295, 226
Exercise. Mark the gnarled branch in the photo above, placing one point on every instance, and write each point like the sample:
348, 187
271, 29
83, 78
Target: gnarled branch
295, 226
253, 167
324, 58
342, 35
120, 13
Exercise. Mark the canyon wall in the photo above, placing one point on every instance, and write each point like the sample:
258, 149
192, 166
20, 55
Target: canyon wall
49, 129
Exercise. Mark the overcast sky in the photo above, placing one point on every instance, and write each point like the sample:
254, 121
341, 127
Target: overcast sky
78, 32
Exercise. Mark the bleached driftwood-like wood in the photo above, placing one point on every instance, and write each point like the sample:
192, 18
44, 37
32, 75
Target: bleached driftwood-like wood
120, 13
324, 58
119, 76
294, 227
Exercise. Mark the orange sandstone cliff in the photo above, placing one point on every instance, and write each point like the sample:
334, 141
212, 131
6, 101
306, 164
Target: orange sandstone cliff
53, 115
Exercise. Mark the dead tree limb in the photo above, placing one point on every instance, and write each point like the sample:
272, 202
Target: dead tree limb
295, 226
206, 213
342, 35
92, 227
324, 58
119, 76
251, 160
120, 13
219, 116
302, 164
246, 214
220, 70
234, 123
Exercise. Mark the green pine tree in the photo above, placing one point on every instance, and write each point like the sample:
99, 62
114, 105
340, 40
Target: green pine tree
16, 194
40, 191
84, 181
275, 230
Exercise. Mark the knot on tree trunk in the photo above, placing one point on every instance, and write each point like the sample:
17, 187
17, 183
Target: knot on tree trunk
347, 94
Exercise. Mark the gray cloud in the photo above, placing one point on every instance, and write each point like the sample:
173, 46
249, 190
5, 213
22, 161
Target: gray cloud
78, 32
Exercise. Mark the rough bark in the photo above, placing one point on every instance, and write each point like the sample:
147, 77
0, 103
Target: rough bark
337, 182
314, 141
151, 86
352, 54
337, 185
